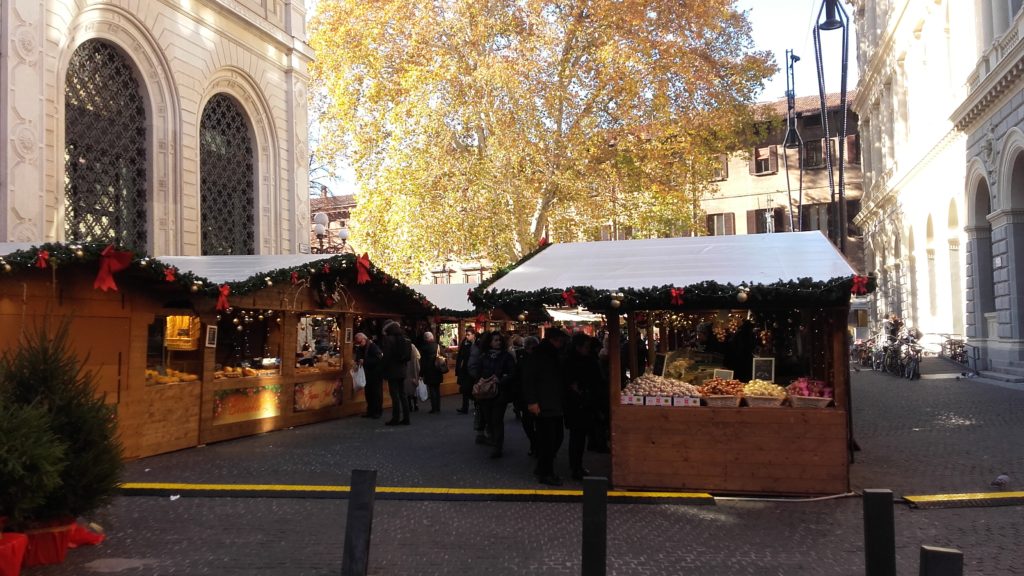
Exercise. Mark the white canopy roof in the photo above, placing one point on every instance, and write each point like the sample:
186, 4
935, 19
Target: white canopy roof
448, 296
218, 269
12, 247
752, 258
573, 315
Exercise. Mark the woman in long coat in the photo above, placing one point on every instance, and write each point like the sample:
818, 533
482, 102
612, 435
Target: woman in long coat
432, 377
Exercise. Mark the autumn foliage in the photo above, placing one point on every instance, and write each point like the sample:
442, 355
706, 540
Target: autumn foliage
476, 127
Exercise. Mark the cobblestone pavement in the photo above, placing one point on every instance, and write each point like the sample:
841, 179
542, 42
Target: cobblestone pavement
937, 435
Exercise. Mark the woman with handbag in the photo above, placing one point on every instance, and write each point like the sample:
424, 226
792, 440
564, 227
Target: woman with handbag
430, 371
497, 368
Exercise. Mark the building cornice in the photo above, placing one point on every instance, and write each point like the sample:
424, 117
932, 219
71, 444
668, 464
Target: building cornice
871, 83
1000, 82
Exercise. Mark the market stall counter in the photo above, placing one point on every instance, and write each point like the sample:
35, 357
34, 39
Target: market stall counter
753, 395
191, 350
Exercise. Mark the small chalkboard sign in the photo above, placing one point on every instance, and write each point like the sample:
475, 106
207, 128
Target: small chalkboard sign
659, 364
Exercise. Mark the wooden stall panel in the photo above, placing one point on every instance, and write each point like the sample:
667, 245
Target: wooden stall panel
743, 450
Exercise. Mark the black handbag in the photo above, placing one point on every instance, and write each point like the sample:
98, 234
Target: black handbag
485, 388
440, 362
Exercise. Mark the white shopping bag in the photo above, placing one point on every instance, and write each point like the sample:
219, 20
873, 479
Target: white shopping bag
421, 391
358, 378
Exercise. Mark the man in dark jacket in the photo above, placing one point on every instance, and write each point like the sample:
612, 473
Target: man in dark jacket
464, 378
543, 391
368, 356
430, 353
397, 351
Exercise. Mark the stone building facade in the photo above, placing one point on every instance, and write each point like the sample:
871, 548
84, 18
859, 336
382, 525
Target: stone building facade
174, 128
941, 100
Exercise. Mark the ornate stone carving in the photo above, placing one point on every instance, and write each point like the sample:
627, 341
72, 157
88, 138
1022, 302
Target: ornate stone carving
26, 45
25, 144
990, 152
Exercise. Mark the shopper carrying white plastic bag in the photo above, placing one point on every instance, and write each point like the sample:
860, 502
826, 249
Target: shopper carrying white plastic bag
358, 378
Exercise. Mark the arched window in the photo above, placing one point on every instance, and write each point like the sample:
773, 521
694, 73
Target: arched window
227, 201
104, 149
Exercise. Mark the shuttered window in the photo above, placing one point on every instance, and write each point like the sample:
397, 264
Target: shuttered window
723, 224
764, 161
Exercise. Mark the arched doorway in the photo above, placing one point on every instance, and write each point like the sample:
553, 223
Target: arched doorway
105, 160
912, 312
979, 245
227, 179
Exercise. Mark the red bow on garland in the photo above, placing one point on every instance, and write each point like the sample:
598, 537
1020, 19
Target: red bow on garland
677, 296
327, 268
363, 269
111, 261
41, 258
542, 242
222, 299
569, 297
860, 285
169, 273
295, 278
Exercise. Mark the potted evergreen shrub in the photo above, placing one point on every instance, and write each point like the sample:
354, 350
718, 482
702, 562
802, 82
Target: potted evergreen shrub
43, 371
31, 459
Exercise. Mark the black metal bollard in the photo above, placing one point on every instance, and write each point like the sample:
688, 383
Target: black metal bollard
595, 526
941, 561
358, 526
879, 533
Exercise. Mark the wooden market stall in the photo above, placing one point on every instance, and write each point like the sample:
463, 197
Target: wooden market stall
453, 312
795, 286
191, 350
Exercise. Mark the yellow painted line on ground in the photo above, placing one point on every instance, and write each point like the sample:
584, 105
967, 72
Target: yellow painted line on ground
404, 490
226, 487
965, 496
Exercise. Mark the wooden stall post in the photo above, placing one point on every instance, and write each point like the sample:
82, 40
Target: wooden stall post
941, 561
632, 335
359, 523
652, 350
879, 533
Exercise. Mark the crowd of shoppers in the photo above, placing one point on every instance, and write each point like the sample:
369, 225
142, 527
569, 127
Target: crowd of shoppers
554, 385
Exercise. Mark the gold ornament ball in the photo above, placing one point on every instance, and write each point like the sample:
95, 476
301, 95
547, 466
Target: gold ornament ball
742, 296
218, 317
79, 253
268, 281
522, 317
615, 303
278, 319
236, 321
144, 262
239, 328
7, 267
194, 288
261, 317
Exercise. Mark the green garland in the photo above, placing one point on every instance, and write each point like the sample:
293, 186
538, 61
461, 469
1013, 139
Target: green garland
320, 275
700, 296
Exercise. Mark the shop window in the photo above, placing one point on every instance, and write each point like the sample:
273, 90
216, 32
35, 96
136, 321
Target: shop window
247, 342
105, 164
173, 350
721, 224
318, 345
764, 161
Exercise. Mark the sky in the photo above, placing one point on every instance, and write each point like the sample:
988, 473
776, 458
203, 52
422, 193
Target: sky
778, 25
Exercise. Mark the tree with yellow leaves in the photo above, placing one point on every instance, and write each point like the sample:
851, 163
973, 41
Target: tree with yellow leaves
478, 127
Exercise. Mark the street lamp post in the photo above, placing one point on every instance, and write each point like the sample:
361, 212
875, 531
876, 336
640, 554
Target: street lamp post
321, 229
835, 18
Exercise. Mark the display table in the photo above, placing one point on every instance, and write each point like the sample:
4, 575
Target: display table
752, 450
12, 551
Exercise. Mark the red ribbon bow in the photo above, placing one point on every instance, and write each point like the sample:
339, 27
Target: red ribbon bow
677, 296
363, 269
41, 258
169, 273
295, 278
111, 261
222, 299
569, 296
327, 268
542, 242
860, 285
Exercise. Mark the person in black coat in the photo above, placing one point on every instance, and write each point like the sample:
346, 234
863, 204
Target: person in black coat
543, 392
432, 377
368, 356
463, 377
496, 361
583, 374
528, 420
397, 351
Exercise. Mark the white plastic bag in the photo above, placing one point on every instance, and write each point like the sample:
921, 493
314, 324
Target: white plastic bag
358, 378
421, 391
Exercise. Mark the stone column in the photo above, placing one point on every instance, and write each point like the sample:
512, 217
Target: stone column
983, 24
1000, 17
1007, 262
23, 189
980, 297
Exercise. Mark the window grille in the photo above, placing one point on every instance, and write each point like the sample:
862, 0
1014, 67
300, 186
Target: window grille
227, 200
105, 184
